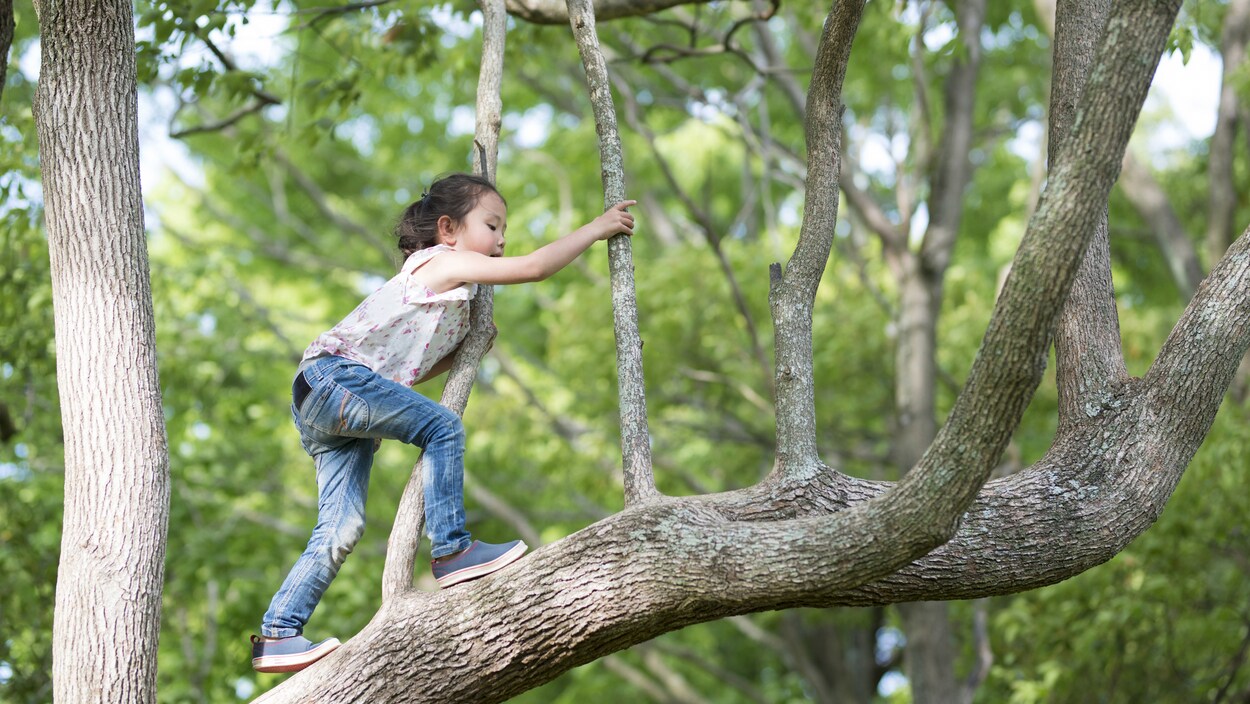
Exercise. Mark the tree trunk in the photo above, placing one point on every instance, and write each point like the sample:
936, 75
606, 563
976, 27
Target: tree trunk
6, 39
108, 595
929, 657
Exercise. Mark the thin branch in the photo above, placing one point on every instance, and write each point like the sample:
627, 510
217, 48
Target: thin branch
225, 123
772, 57
323, 13
954, 170
557, 12
722, 675
321, 202
635, 441
711, 234
616, 665
922, 118
405, 538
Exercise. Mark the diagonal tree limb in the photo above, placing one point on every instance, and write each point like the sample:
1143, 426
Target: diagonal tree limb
1009, 364
635, 440
401, 549
792, 295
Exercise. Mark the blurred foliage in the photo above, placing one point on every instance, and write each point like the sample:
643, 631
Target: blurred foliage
303, 132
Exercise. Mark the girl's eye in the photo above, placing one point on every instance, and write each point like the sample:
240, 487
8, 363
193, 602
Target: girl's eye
492, 228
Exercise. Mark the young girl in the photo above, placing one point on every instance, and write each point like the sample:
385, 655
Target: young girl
353, 390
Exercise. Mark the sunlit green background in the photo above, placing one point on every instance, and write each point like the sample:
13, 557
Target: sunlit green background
265, 231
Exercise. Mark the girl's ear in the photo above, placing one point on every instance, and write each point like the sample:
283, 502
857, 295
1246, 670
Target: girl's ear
446, 231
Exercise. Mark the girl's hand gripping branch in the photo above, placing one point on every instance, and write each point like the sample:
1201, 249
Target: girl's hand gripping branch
478, 244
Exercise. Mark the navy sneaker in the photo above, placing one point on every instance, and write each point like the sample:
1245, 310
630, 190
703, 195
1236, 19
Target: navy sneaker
288, 654
477, 560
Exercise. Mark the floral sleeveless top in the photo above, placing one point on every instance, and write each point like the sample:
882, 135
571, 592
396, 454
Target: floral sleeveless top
403, 328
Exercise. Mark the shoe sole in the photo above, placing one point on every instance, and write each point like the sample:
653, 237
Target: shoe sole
468, 573
296, 661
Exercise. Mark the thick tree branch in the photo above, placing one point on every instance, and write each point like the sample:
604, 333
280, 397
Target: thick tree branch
792, 295
635, 440
401, 550
1186, 383
1009, 364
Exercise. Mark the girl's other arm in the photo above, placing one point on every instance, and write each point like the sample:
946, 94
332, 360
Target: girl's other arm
458, 267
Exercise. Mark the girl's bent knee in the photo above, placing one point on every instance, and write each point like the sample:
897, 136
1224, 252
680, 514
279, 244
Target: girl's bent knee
344, 539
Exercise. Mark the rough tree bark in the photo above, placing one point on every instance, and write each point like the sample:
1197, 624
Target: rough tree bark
108, 592
830, 539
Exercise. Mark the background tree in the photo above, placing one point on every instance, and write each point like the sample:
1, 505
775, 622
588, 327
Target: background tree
108, 593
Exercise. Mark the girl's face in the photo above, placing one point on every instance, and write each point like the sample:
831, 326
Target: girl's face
482, 230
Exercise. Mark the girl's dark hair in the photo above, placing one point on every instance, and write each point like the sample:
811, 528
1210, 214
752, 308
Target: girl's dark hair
454, 195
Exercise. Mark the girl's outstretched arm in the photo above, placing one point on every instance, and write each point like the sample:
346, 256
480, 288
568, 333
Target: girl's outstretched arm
449, 270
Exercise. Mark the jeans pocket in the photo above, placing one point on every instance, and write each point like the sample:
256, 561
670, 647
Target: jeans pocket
337, 411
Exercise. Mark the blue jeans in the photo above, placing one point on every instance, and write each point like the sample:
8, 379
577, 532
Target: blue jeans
346, 413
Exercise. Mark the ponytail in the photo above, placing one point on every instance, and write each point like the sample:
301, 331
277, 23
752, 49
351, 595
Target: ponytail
455, 196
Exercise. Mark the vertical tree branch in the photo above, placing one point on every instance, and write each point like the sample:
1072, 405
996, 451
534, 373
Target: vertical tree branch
792, 295
711, 233
401, 548
1223, 195
635, 441
1088, 360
